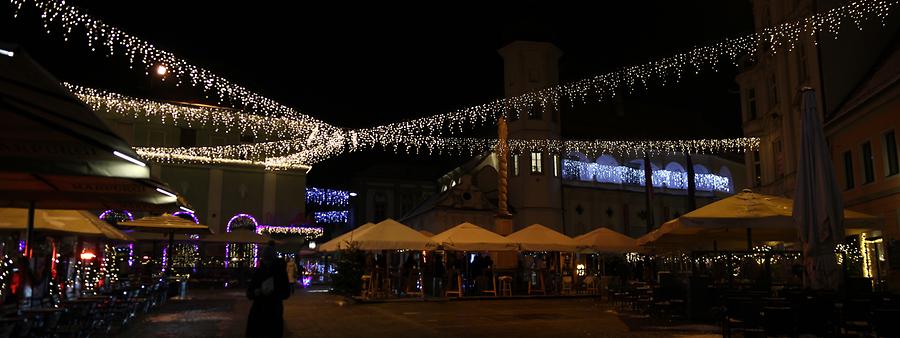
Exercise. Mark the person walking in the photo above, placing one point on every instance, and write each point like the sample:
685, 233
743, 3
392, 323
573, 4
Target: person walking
267, 289
292, 274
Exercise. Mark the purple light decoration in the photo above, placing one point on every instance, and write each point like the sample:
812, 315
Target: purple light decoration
165, 257
131, 254
107, 212
193, 217
21, 245
239, 216
307, 280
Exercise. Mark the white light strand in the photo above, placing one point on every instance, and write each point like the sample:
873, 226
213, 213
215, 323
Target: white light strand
114, 40
621, 174
664, 71
215, 118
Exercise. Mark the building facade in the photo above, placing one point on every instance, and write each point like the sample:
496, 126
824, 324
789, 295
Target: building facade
217, 192
571, 193
854, 78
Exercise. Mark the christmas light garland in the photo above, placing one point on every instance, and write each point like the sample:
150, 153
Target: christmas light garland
192, 115
332, 217
620, 174
663, 71
305, 231
99, 34
327, 197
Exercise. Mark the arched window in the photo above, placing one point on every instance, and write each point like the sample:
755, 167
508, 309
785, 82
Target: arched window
241, 221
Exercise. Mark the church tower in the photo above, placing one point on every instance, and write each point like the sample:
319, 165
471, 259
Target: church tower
534, 176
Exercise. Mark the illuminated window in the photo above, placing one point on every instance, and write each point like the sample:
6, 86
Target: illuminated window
536, 163
757, 170
556, 165
515, 164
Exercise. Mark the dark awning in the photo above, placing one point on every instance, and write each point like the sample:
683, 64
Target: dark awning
56, 152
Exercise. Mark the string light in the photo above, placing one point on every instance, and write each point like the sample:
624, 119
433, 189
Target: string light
661, 71
116, 215
113, 40
327, 197
332, 217
241, 220
192, 115
305, 231
188, 215
620, 174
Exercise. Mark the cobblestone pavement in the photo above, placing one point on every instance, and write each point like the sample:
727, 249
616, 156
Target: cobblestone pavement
309, 313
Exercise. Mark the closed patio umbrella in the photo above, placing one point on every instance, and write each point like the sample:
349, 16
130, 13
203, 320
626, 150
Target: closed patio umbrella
818, 202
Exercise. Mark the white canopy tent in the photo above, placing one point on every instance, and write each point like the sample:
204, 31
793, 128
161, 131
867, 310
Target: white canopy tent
605, 240
537, 237
342, 241
470, 237
391, 235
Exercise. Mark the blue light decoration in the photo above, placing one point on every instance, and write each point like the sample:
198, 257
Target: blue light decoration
574, 170
327, 197
332, 217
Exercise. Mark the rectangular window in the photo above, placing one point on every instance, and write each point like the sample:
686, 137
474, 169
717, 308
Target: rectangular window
536, 163
868, 162
751, 104
801, 64
848, 170
556, 165
188, 137
757, 170
890, 149
773, 90
515, 164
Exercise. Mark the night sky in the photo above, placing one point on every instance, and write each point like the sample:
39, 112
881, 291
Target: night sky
359, 65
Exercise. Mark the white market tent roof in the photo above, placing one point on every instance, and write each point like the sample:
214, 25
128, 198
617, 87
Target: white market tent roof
392, 235
537, 237
768, 217
341, 241
77, 222
606, 240
470, 237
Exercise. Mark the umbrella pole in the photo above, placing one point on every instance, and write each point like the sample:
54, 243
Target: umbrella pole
29, 233
170, 252
749, 239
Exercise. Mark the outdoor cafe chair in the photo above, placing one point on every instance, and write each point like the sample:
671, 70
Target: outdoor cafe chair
590, 285
455, 291
566, 285
540, 285
493, 290
506, 285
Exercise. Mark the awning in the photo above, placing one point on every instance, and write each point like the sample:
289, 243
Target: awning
77, 222
470, 237
537, 237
